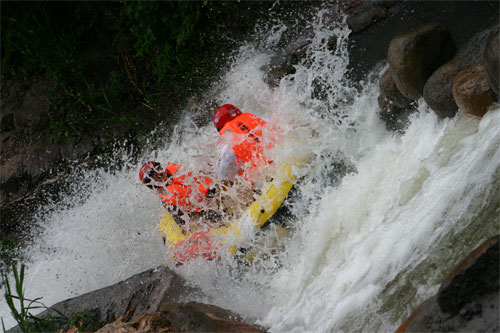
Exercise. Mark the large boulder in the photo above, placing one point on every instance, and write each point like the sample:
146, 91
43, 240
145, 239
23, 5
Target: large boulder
468, 299
140, 294
438, 88
148, 302
415, 55
472, 92
491, 61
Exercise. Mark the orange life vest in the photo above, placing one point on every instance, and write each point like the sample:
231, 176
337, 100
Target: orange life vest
248, 150
177, 193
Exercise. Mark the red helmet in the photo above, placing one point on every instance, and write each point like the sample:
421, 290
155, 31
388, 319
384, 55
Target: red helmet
144, 173
224, 114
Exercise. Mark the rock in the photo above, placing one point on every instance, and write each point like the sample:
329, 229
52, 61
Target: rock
197, 317
438, 88
395, 108
350, 6
396, 119
365, 17
155, 322
284, 64
147, 302
476, 276
468, 299
390, 94
471, 91
179, 317
415, 55
369, 46
117, 326
491, 61
140, 294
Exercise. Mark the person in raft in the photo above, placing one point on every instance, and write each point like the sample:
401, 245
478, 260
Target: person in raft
243, 150
242, 155
181, 194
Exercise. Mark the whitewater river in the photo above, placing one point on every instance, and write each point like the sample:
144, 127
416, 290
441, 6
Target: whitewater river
382, 217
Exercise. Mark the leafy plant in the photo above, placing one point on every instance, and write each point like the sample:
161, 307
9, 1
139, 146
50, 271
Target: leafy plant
51, 321
25, 319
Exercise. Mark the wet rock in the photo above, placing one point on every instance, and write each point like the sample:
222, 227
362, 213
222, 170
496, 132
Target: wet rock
33, 161
369, 46
27, 151
350, 6
140, 294
365, 17
438, 88
197, 317
293, 49
155, 322
396, 119
395, 108
189, 317
415, 55
468, 299
491, 61
118, 326
476, 276
471, 91
390, 94
284, 64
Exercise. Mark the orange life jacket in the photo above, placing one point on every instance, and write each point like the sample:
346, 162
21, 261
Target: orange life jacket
178, 193
248, 150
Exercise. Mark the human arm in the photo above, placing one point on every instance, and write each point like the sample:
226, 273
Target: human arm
228, 168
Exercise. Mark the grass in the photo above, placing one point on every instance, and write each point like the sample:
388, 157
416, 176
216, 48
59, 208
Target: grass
22, 312
21, 309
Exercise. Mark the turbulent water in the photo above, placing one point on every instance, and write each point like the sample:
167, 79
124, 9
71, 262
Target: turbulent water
381, 217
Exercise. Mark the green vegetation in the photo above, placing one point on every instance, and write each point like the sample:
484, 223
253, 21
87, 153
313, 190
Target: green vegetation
52, 321
114, 65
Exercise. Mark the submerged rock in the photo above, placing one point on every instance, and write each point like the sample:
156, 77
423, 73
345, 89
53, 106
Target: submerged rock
468, 299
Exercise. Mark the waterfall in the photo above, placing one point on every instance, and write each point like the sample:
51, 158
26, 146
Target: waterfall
382, 216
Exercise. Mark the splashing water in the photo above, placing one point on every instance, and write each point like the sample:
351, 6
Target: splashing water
382, 217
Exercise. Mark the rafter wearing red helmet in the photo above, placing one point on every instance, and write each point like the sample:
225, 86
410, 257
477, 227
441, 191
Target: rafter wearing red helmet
180, 193
245, 154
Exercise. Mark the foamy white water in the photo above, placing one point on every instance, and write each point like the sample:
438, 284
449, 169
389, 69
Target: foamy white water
387, 215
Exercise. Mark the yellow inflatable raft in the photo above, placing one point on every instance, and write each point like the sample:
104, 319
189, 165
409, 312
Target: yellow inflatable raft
208, 243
